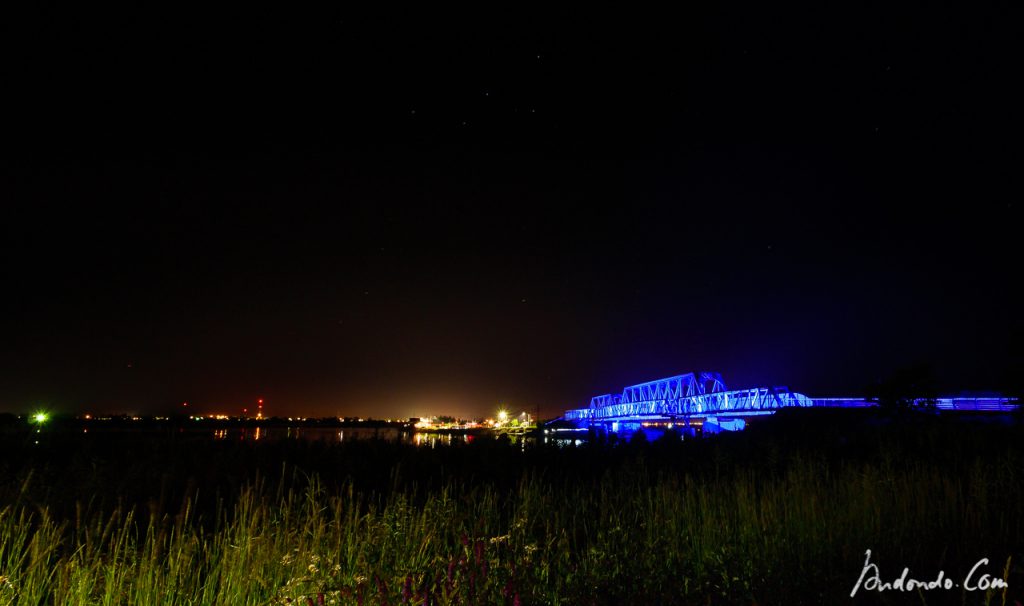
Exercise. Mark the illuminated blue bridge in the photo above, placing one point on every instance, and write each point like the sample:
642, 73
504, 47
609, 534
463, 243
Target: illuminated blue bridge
702, 401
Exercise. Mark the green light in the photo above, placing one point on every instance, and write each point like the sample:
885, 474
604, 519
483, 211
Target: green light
40, 417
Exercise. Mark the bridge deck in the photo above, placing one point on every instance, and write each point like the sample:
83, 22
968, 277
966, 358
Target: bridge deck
691, 395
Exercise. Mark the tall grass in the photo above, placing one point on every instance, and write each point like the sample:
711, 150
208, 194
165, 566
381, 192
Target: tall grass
633, 531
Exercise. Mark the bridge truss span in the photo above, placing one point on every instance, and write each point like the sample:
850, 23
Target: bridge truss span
704, 396
688, 395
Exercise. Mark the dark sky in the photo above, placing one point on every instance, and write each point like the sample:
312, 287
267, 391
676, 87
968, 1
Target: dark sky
425, 213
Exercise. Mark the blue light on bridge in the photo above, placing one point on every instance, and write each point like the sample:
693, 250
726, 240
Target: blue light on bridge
703, 400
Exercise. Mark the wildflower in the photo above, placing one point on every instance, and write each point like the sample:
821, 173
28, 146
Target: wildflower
478, 551
465, 540
515, 600
320, 599
312, 568
529, 551
407, 590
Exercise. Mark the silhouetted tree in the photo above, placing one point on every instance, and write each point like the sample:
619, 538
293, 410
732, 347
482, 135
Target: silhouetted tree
905, 389
639, 437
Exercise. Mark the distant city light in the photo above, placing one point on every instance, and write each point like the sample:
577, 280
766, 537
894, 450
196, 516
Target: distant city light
502, 415
40, 417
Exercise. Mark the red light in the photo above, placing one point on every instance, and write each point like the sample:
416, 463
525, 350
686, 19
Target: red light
245, 410
261, 400
184, 403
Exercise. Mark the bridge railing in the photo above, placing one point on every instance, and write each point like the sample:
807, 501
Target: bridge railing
758, 399
980, 404
745, 400
579, 414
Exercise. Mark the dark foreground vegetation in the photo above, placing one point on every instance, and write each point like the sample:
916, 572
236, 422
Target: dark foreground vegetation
779, 514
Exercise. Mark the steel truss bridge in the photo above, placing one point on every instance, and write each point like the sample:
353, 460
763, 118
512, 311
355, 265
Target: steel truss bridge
705, 396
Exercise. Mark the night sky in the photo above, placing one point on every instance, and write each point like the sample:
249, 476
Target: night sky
437, 213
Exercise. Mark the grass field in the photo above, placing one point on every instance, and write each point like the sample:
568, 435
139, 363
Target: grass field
780, 514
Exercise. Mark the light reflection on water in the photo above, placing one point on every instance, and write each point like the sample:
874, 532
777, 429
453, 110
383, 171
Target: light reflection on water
343, 434
347, 434
433, 439
327, 434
